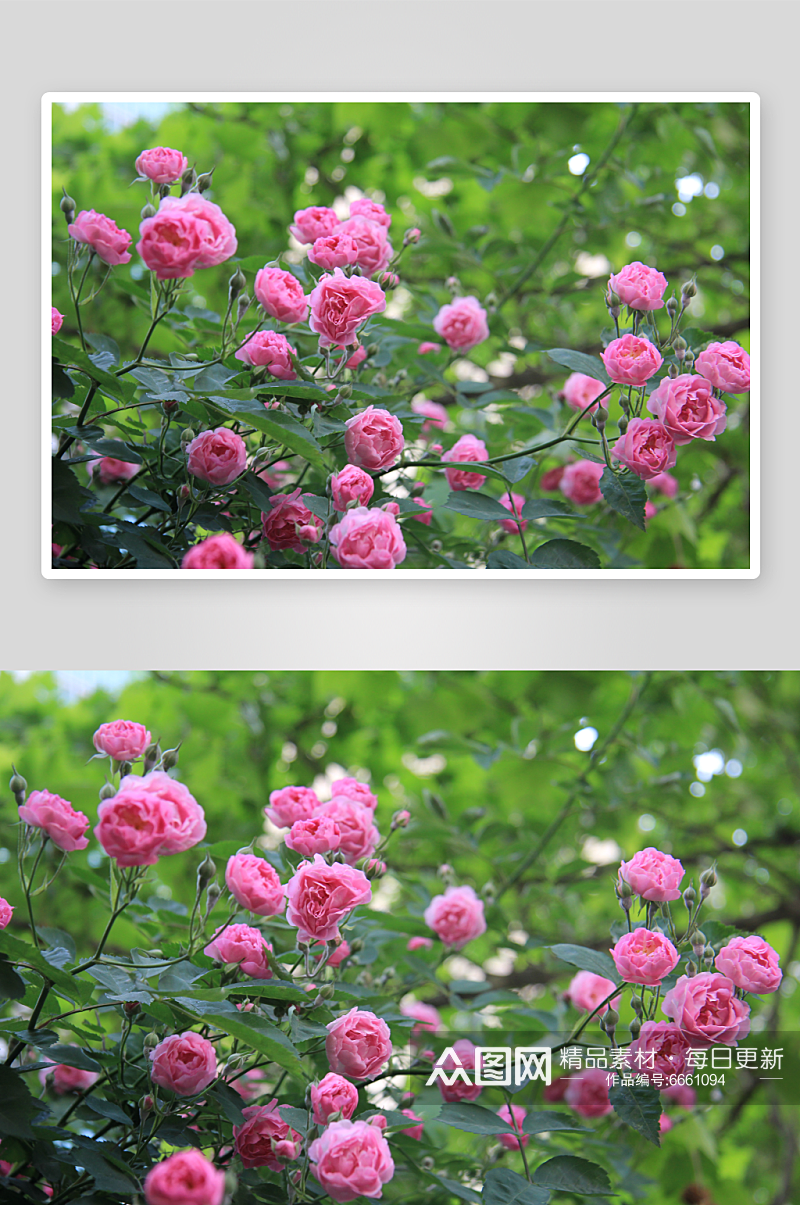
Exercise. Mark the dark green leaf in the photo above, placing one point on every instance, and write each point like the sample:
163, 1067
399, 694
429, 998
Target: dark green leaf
506, 1187
476, 506
118, 387
515, 470
579, 361
107, 1109
115, 448
626, 495
148, 498
318, 506
17, 1106
502, 558
542, 1121
547, 508
72, 1056
68, 495
11, 986
564, 554
229, 1101
258, 490
596, 961
567, 1173
639, 1107
473, 1118
259, 1034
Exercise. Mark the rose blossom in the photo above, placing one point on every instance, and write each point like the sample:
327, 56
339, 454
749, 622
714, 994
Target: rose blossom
413, 1131
364, 208
750, 963
333, 1094
639, 287
290, 524
315, 222
358, 357
427, 512
58, 819
185, 1178
186, 1063
646, 448
726, 366
351, 484
428, 1018
553, 1093
435, 413
108, 470
374, 249
161, 164
272, 351
358, 1044
551, 480
644, 956
462, 324
664, 483
510, 1141
358, 834
579, 390
681, 1094
425, 349
321, 896
631, 360
653, 875
290, 804
587, 1093
456, 917
338, 956
707, 1010
665, 1123
351, 1159
419, 943
462, 1088
281, 295
512, 526
687, 408
184, 818
67, 1079
218, 552
335, 250
56, 321
242, 944
123, 740
216, 234
6, 912
468, 448
340, 304
217, 456
368, 539
373, 439
580, 482
255, 885
265, 1139
587, 991
171, 242
315, 836
109, 243
351, 788
132, 827
659, 1050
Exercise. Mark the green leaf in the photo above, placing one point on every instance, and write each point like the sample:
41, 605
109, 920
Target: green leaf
640, 1108
505, 1187
229, 1101
117, 387
548, 508
280, 426
579, 361
72, 1056
68, 495
259, 1034
596, 961
626, 495
258, 490
115, 448
11, 986
474, 1119
17, 1106
502, 558
564, 554
107, 1109
148, 498
476, 506
318, 506
567, 1173
21, 951
515, 470
543, 1121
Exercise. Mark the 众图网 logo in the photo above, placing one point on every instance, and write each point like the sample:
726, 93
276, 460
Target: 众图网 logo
496, 1066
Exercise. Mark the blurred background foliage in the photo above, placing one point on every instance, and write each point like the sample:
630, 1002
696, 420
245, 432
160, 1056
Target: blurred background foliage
498, 191
532, 786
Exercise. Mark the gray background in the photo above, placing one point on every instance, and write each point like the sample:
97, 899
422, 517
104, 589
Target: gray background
382, 45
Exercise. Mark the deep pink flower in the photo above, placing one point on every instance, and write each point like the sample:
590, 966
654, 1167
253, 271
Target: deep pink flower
358, 835
290, 804
185, 1178
217, 456
373, 439
514, 504
646, 448
463, 1086
644, 956
664, 483
707, 1010
374, 249
340, 305
272, 351
425, 349
362, 207
515, 1117
462, 324
216, 234
688, 409
726, 366
456, 917
358, 1044
290, 524
368, 539
265, 1139
428, 1018
352, 788
161, 164
579, 390
315, 222
351, 1159
242, 944
467, 449
319, 897
427, 511
336, 250
587, 1093
186, 1063
95, 230
171, 242
639, 287
333, 1094
413, 1131
122, 739
587, 990
351, 484
281, 295
436, 414
58, 819
631, 360
255, 885
750, 963
419, 943
110, 471
580, 482
661, 1049
6, 912
653, 875
64, 1079
318, 835
218, 552
56, 321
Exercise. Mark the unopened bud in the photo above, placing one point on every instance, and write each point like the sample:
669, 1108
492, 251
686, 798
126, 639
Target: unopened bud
427, 1164
242, 306
171, 758
151, 1040
356, 945
326, 992
205, 181
612, 303
374, 868
212, 896
411, 236
623, 424
146, 1104
236, 283
453, 284
672, 307
600, 418
709, 955
164, 191
691, 969
610, 1020
690, 898
188, 179
373, 349
635, 1026
689, 360
148, 211
131, 1008
679, 347
708, 879
689, 290
18, 785
400, 819
673, 371
187, 435
205, 872
152, 756
169, 406
107, 791
637, 1004
390, 280
436, 546
345, 391
67, 207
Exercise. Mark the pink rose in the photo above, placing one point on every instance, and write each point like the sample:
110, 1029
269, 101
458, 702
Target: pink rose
368, 539
644, 956
428, 1018
255, 885
427, 510
551, 480
425, 349
56, 321
554, 1093
664, 483
639, 287
290, 524
707, 1010
687, 408
95, 230
186, 1063
579, 390
123, 740
242, 944
351, 1159
435, 413
374, 249
218, 552
217, 235
373, 439
515, 1117
653, 875
58, 819
252, 1083
338, 956
681, 1094
358, 835
419, 943
217, 456
587, 1093
333, 1094
462, 324
726, 366
514, 504
184, 818
462, 1088
171, 242
64, 1079
321, 896
339, 306
351, 484
318, 835
650, 510
412, 235
265, 1139
358, 1044
335, 250
351, 788
6, 912
580, 482
750, 963
665, 1123
413, 1131
587, 990
108, 470
375, 212
358, 357
272, 351
646, 448
660, 1049
631, 360
467, 448
185, 1178
161, 164
456, 917
281, 295
315, 222
290, 804
132, 827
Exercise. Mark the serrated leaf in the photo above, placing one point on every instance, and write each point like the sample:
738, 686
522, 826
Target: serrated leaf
17, 1106
259, 1034
318, 506
503, 1186
579, 361
564, 554
148, 498
72, 1056
503, 558
117, 387
568, 1173
68, 495
548, 508
473, 1118
639, 1107
626, 495
596, 961
107, 1109
543, 1121
476, 506
515, 470
229, 1101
